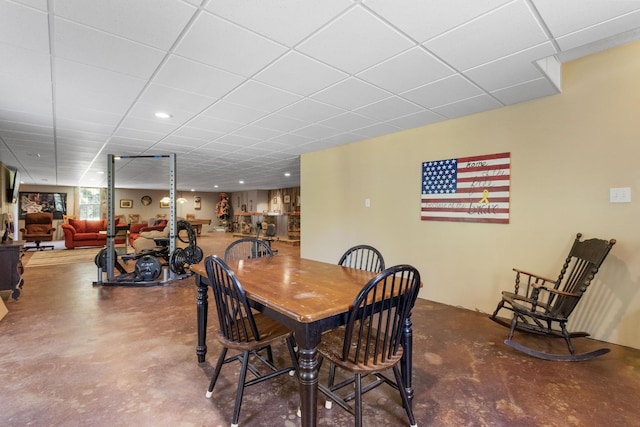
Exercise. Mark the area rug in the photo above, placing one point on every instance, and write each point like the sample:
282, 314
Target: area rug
62, 256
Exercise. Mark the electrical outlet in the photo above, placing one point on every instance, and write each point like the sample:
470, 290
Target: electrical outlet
620, 195
367, 203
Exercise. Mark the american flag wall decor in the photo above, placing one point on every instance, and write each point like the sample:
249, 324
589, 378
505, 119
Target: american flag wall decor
468, 189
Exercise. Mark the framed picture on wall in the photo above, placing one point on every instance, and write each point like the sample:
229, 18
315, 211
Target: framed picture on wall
54, 203
125, 203
287, 198
165, 204
197, 203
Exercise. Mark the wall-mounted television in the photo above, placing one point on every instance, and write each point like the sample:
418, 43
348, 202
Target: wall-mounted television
12, 184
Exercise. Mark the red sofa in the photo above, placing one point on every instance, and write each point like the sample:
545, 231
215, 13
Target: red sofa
82, 232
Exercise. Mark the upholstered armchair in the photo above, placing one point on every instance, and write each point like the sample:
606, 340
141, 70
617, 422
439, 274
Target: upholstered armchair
38, 228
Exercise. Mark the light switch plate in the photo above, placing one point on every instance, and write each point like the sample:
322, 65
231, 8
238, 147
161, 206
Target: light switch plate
620, 195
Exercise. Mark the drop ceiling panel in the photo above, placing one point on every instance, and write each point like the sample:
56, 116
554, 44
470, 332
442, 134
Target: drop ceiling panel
410, 69
525, 91
150, 124
377, 130
511, 70
167, 147
203, 79
348, 122
316, 131
414, 120
82, 44
355, 41
214, 124
261, 97
203, 134
36, 4
502, 32
469, 106
27, 128
299, 74
444, 91
290, 139
281, 123
16, 138
168, 99
600, 31
351, 93
257, 132
24, 27
309, 110
27, 118
25, 80
208, 41
389, 109
272, 147
425, 19
82, 126
234, 113
150, 22
237, 140
292, 23
138, 134
591, 12
71, 112
80, 136
217, 149
189, 143
95, 88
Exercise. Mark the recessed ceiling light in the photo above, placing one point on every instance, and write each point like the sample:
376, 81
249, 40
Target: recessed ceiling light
241, 182
287, 174
215, 186
162, 115
100, 173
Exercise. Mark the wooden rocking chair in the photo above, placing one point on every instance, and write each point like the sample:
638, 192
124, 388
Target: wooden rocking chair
546, 302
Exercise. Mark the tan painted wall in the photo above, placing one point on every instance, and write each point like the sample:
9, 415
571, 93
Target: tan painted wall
566, 152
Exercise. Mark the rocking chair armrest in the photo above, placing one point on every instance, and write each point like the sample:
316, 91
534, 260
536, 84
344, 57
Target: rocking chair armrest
560, 292
536, 276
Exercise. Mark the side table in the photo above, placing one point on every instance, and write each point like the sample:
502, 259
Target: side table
11, 268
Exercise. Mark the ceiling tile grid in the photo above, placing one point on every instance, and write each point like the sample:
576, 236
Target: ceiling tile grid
250, 86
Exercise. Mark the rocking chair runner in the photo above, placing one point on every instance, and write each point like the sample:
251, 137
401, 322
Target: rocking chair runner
545, 302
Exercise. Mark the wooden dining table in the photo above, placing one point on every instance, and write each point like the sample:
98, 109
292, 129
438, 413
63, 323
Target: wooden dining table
309, 297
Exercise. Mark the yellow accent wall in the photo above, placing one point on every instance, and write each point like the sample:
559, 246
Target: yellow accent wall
567, 151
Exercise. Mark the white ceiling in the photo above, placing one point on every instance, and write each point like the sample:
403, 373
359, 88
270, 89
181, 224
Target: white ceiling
252, 84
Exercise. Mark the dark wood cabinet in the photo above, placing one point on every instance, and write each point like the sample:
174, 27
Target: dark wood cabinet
11, 268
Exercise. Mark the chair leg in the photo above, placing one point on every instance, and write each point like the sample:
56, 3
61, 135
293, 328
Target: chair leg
239, 393
292, 353
332, 375
514, 323
216, 373
358, 402
567, 337
500, 305
403, 395
269, 354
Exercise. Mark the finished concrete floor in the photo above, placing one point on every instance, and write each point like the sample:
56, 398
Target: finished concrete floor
74, 354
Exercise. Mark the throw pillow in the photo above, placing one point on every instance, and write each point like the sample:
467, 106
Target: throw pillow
95, 226
78, 224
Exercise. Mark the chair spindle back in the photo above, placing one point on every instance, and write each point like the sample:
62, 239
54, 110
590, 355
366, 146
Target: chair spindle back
234, 314
363, 257
376, 320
